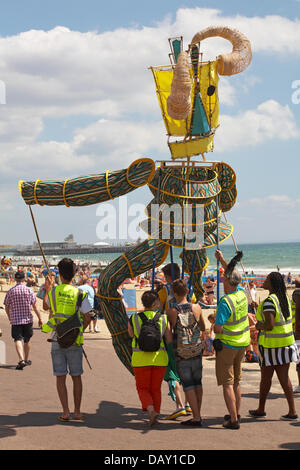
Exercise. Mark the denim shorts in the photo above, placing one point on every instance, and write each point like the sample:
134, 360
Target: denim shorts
190, 372
66, 360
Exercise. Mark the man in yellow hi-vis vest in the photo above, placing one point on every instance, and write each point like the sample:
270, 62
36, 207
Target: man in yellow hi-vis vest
232, 331
62, 300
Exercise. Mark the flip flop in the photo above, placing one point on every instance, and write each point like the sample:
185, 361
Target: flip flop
80, 418
176, 414
63, 420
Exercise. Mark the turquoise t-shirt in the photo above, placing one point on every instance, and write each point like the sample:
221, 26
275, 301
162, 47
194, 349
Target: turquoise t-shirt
223, 313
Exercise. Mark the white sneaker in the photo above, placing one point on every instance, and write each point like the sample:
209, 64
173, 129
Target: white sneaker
296, 389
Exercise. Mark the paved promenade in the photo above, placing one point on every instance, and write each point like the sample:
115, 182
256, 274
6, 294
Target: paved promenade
113, 419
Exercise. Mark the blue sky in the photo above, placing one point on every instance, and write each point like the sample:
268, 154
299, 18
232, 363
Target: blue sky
76, 76
17, 16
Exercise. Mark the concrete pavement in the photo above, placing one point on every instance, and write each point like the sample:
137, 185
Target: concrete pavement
113, 418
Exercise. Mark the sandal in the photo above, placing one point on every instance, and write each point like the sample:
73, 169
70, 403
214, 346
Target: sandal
21, 365
231, 425
79, 418
64, 420
256, 414
191, 422
227, 418
28, 363
289, 417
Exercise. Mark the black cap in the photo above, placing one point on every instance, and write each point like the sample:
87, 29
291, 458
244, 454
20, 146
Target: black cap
19, 276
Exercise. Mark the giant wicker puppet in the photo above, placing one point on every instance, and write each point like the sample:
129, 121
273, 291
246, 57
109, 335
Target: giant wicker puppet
187, 92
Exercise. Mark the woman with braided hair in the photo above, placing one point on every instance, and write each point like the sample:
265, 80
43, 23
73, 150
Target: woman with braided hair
277, 347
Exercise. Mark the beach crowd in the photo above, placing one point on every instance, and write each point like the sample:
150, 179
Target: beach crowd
169, 335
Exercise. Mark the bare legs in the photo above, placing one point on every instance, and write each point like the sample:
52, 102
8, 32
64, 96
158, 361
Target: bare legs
282, 372
194, 398
20, 350
23, 350
63, 395
26, 351
232, 397
152, 414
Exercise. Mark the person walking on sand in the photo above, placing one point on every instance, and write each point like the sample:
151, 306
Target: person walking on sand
277, 347
62, 302
149, 365
232, 337
18, 302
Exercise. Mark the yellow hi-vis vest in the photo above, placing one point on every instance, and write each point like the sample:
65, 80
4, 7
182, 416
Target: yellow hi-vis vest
293, 307
141, 358
282, 333
236, 330
63, 299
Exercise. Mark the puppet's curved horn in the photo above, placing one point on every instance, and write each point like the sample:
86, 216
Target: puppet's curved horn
240, 57
178, 103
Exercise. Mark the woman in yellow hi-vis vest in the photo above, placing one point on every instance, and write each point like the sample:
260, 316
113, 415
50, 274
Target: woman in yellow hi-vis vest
296, 324
149, 365
277, 348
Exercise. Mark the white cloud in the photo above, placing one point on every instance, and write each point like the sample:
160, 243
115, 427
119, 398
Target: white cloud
274, 200
6, 197
120, 141
256, 126
272, 33
61, 73
273, 218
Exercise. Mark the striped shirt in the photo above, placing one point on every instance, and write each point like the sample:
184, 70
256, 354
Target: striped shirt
20, 299
269, 306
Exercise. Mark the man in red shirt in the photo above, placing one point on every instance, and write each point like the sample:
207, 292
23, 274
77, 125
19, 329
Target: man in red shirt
18, 302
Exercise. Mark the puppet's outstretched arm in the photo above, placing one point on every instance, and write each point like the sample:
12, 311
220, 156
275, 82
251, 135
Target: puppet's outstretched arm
90, 189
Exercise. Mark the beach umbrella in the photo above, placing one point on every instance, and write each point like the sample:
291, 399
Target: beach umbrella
53, 270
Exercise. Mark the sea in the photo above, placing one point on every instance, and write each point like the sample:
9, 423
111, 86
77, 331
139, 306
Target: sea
260, 258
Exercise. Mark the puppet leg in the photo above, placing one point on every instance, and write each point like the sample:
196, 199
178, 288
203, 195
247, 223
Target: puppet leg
129, 265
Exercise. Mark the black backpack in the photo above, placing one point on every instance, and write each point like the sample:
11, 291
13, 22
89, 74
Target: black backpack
150, 336
68, 330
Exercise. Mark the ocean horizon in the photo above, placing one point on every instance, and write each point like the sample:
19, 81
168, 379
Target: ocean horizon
257, 257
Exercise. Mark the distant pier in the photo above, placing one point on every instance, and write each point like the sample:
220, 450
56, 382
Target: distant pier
76, 250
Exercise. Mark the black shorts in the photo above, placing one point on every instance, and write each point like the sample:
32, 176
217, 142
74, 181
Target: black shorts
22, 332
